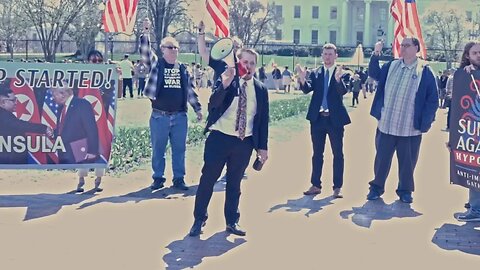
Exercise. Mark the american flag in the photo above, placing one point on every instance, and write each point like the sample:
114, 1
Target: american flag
404, 13
218, 9
49, 118
120, 16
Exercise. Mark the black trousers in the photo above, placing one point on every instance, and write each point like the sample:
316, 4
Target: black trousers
319, 130
129, 83
407, 149
221, 149
355, 98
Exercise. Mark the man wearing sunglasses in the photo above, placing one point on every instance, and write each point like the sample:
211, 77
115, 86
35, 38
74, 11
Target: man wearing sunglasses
404, 105
170, 89
11, 126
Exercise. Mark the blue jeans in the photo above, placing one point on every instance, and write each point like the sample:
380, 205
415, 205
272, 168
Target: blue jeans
474, 200
162, 128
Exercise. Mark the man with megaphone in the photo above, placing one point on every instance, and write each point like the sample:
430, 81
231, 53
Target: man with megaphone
238, 123
222, 55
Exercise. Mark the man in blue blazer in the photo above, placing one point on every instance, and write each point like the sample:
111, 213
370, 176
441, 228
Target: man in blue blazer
404, 105
77, 127
327, 116
238, 123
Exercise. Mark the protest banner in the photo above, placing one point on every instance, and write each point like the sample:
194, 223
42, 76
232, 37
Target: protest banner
465, 130
63, 115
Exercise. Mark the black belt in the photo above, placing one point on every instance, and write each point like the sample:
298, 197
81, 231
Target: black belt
165, 112
325, 114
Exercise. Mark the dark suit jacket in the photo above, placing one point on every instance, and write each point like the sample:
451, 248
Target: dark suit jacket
221, 99
336, 90
79, 124
12, 126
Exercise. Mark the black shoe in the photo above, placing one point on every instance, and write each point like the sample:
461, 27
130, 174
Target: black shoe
406, 198
157, 183
179, 183
373, 195
235, 229
196, 229
467, 205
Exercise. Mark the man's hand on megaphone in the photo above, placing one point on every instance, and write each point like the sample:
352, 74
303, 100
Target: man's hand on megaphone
228, 76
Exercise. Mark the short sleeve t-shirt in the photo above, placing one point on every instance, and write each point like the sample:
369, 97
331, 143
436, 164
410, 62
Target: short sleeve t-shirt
171, 97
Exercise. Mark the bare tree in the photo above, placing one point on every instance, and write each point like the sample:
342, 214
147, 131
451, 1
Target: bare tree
252, 21
445, 26
86, 26
51, 19
11, 27
165, 13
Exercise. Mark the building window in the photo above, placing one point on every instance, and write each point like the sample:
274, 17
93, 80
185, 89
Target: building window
296, 12
360, 14
296, 36
383, 14
333, 37
278, 34
469, 16
279, 11
315, 12
333, 13
359, 37
314, 37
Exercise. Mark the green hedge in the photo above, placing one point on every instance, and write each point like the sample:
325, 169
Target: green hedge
132, 145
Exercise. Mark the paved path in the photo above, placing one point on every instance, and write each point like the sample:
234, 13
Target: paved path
129, 227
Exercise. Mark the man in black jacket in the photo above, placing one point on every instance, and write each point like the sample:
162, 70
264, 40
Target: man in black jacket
77, 128
327, 116
11, 126
238, 121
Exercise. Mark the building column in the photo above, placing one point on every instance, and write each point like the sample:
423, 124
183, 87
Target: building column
344, 25
367, 39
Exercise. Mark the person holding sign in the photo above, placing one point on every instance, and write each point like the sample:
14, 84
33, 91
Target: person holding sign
470, 61
170, 90
404, 105
327, 116
94, 57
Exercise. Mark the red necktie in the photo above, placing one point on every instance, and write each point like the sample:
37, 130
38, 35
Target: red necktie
241, 123
62, 119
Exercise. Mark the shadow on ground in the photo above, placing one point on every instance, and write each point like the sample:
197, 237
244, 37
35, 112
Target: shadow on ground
464, 238
304, 203
42, 205
190, 251
144, 194
378, 210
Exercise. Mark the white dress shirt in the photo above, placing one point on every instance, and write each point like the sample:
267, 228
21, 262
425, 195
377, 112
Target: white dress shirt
226, 123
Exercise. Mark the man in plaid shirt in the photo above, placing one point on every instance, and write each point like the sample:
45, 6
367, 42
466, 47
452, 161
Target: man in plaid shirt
404, 105
169, 88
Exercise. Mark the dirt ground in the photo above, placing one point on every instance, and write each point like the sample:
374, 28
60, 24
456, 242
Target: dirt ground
129, 227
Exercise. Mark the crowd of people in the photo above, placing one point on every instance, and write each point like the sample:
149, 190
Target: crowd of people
407, 96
